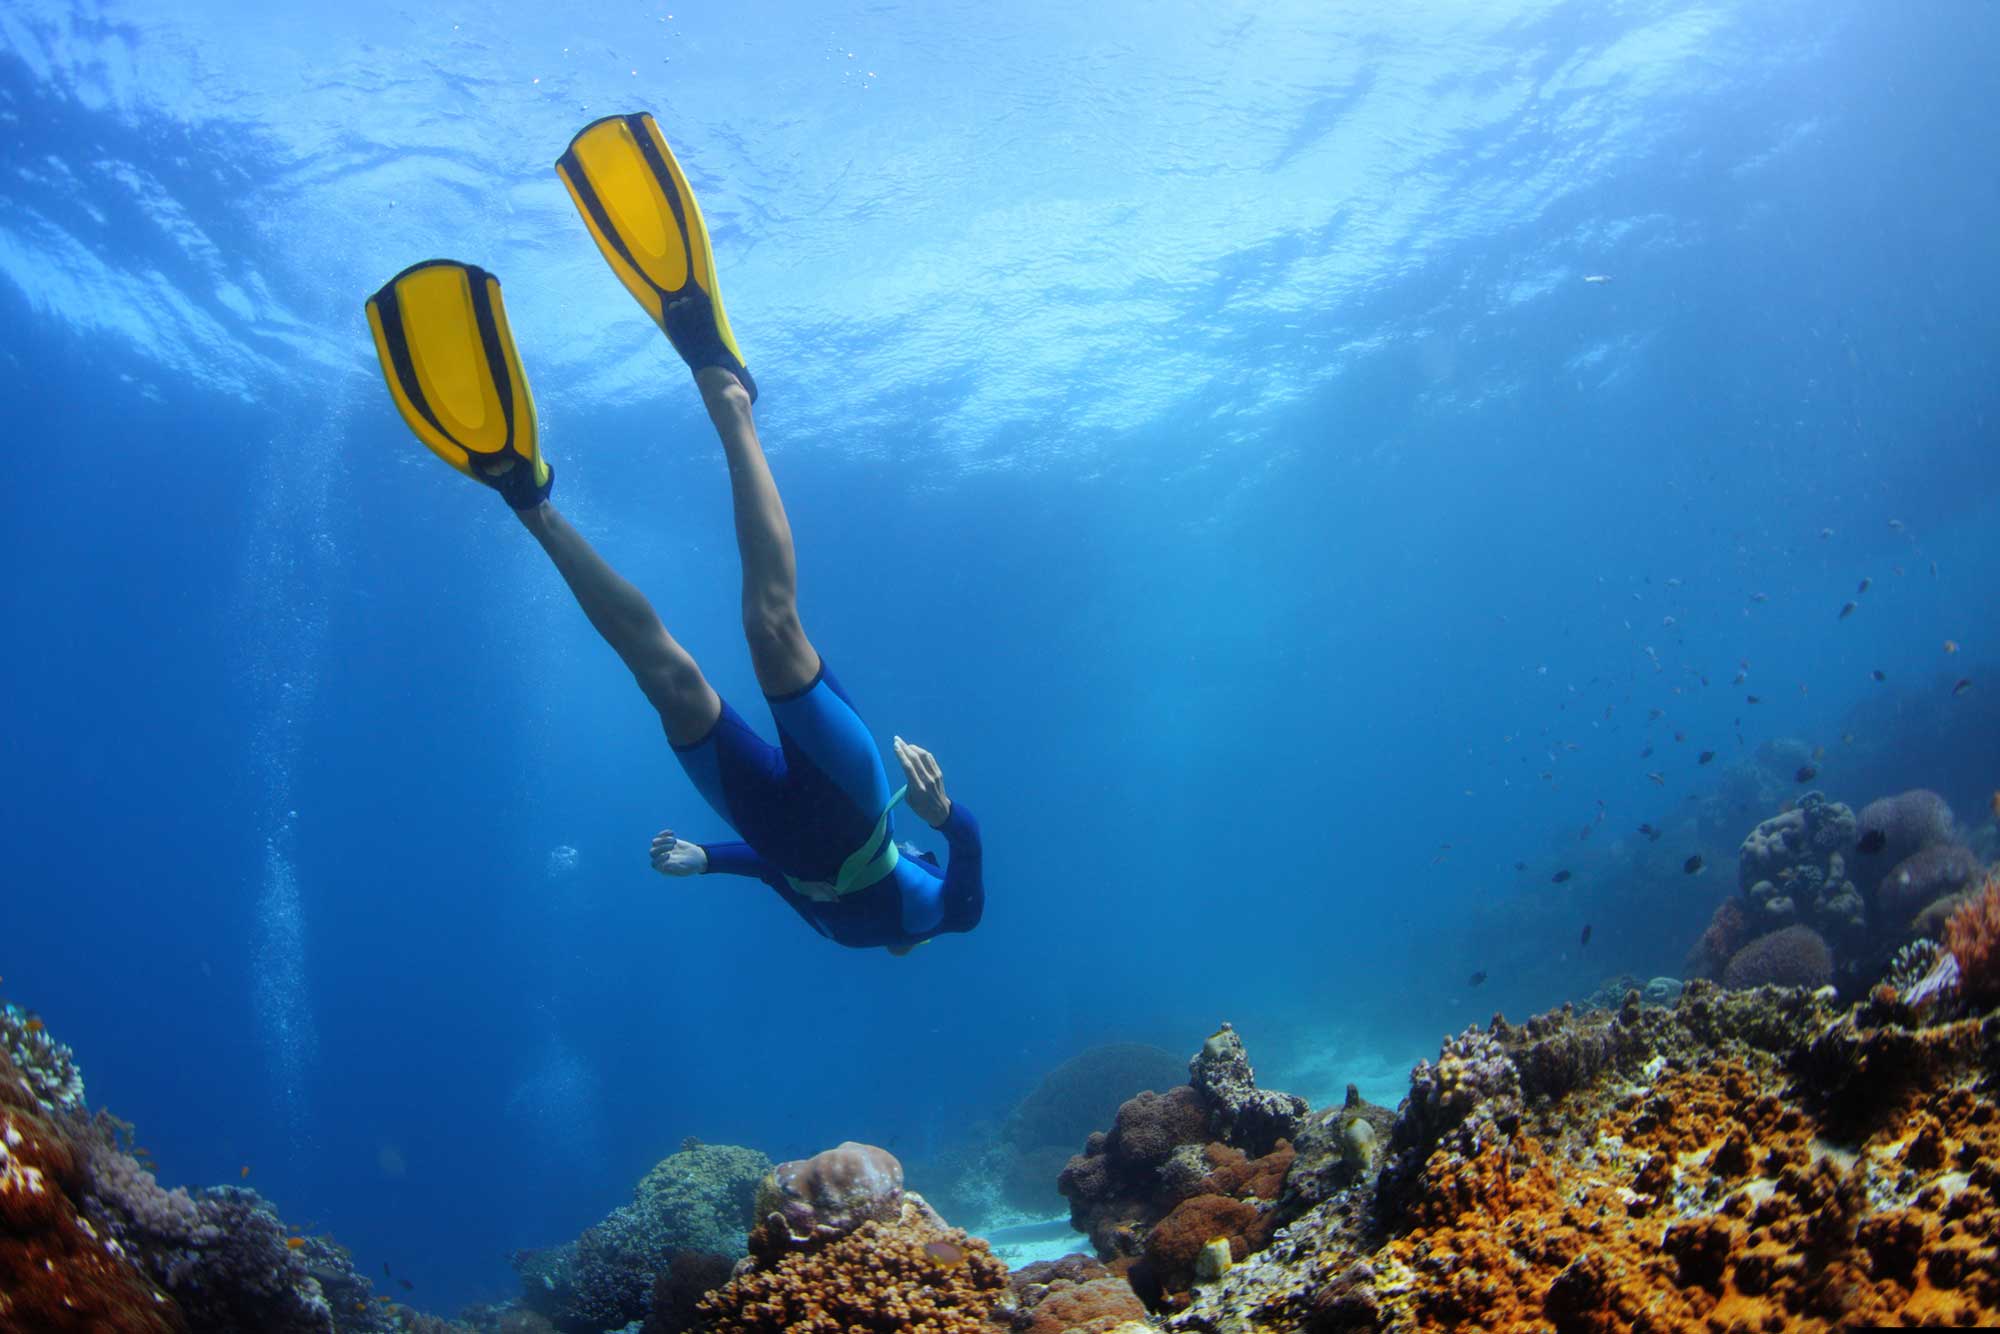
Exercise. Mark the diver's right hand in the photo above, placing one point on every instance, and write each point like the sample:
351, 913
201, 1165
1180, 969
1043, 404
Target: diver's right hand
677, 856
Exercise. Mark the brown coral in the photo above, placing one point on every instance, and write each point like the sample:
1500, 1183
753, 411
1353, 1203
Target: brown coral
56, 1274
899, 1276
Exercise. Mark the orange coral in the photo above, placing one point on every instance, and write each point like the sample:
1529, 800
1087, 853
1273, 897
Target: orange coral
56, 1274
1711, 1202
900, 1276
1239, 1176
1972, 934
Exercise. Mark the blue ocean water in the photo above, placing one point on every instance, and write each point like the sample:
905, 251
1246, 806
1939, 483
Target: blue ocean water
1277, 457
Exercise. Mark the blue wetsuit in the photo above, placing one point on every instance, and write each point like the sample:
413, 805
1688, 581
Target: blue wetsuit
808, 806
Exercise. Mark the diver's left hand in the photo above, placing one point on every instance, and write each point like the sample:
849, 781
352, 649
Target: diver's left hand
677, 856
926, 796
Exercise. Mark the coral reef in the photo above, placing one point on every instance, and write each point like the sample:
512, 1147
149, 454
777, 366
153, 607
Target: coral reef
1183, 1171
1744, 1161
47, 1068
905, 1273
1861, 885
1940, 871
90, 1241
1896, 827
1972, 936
1073, 1295
1792, 870
679, 1288
57, 1273
1239, 1112
1722, 938
829, 1194
1792, 957
696, 1200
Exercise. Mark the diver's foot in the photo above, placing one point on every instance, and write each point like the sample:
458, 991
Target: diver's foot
516, 484
691, 327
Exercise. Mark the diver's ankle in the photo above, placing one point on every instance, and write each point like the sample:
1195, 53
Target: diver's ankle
722, 393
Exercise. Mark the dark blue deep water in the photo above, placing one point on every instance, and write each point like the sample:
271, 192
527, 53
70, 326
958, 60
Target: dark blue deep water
1276, 456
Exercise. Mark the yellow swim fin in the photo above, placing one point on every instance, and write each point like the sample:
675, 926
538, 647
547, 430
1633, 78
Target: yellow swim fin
641, 211
441, 333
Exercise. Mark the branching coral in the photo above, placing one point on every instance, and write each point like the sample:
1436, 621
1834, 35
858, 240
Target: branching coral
46, 1067
903, 1277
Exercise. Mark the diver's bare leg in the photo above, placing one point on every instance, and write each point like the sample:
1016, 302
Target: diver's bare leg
784, 659
668, 674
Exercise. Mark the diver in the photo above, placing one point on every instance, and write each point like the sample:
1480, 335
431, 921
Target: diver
815, 811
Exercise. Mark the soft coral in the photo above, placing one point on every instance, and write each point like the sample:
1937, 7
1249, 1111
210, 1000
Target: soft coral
1973, 937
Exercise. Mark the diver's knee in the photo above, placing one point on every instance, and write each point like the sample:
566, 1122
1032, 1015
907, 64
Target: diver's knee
771, 624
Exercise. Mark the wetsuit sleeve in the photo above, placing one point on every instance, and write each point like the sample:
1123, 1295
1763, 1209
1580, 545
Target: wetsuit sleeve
964, 892
739, 859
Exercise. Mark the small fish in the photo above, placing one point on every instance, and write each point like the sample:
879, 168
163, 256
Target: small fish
1879, 674
411, 1287
1477, 978
1819, 753
1559, 877
1996, 805
1669, 622
1586, 935
1753, 699
1520, 866
1646, 829
1704, 757
1872, 842
1895, 525
1583, 834
1863, 586
1825, 533
1680, 736
1740, 678
1951, 646
1806, 773
1646, 754
295, 1243
1692, 865
1896, 570
1959, 687
1653, 715
1659, 779
34, 1025
1846, 610
245, 1173
1760, 597
1597, 277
